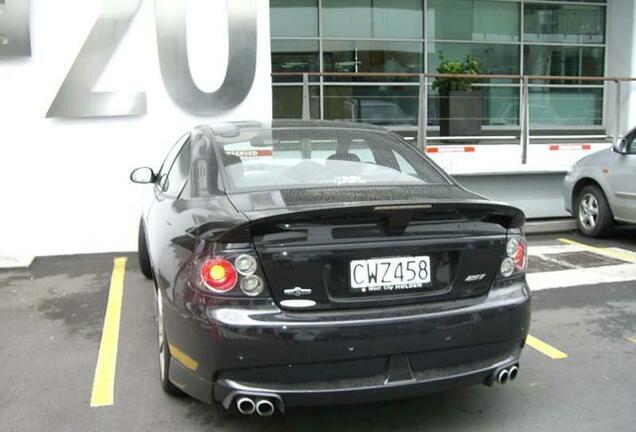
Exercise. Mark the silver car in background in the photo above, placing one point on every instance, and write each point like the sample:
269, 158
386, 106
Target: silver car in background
600, 189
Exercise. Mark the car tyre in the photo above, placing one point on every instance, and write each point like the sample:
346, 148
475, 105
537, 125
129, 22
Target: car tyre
164, 351
593, 214
142, 247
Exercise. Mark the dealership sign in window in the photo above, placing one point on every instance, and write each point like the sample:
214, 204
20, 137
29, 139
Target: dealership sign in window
76, 98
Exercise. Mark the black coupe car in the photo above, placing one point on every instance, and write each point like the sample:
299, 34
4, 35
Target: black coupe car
306, 263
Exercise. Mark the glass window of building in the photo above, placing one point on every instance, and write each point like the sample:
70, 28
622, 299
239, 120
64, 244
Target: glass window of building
492, 58
474, 20
391, 38
294, 18
389, 19
563, 60
378, 104
288, 102
372, 56
294, 56
577, 24
562, 107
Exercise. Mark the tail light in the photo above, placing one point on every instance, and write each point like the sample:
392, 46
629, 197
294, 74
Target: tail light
218, 275
516, 257
229, 275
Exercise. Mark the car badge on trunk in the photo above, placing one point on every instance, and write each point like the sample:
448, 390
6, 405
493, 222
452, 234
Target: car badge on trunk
297, 291
475, 277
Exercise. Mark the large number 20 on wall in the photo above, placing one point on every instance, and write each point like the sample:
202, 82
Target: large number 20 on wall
76, 98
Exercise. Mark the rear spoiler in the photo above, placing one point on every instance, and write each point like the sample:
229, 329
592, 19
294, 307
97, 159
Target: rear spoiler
394, 217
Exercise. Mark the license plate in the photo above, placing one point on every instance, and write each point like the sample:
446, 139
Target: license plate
389, 274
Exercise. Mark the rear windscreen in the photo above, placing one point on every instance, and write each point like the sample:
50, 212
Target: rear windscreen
311, 158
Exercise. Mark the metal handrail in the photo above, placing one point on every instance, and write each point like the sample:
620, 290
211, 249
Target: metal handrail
473, 138
589, 137
422, 139
438, 75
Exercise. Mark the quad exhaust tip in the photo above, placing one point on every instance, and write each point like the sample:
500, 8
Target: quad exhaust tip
504, 375
245, 406
265, 408
514, 371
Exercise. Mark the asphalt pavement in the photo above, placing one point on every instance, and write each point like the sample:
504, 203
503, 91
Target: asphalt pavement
577, 375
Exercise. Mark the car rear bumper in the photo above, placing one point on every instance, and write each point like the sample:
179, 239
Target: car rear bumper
397, 380
328, 358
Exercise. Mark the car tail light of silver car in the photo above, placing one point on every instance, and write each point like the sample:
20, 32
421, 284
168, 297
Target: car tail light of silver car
516, 257
229, 275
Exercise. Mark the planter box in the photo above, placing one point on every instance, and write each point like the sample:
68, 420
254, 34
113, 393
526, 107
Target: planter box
460, 113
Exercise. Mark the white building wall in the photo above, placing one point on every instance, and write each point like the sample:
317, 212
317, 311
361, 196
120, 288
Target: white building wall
64, 183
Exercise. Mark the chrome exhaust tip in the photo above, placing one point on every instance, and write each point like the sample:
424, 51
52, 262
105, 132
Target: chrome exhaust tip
514, 371
245, 406
265, 408
502, 376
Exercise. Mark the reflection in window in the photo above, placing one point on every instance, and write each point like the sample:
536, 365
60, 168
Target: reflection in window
500, 105
294, 18
372, 56
404, 165
563, 61
294, 56
472, 20
552, 38
575, 1
288, 102
492, 58
564, 23
385, 105
372, 18
554, 106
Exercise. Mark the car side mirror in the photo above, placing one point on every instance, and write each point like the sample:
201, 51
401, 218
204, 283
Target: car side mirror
620, 146
143, 175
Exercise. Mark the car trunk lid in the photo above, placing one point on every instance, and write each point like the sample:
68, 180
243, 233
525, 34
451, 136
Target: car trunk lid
307, 250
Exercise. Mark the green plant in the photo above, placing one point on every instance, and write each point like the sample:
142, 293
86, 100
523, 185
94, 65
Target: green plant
468, 66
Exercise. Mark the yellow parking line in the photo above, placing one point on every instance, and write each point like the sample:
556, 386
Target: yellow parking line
609, 252
631, 339
104, 380
546, 349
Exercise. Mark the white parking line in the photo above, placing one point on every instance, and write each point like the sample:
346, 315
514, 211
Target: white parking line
554, 249
581, 276
576, 276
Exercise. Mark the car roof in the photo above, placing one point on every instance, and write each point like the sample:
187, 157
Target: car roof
278, 124
229, 129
